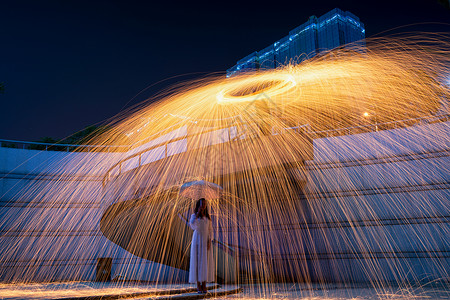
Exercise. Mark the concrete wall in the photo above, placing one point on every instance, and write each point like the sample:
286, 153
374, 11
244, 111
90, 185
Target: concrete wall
388, 191
382, 198
50, 210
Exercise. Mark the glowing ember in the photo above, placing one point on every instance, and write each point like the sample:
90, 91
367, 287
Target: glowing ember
249, 134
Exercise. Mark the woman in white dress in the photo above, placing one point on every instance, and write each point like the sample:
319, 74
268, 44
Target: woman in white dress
201, 265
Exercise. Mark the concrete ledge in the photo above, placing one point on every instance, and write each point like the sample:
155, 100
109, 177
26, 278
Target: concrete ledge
152, 294
222, 291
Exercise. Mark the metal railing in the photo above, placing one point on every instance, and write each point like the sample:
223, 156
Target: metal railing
380, 126
74, 147
317, 134
302, 129
138, 155
59, 147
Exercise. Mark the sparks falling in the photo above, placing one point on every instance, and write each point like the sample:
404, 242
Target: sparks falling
252, 134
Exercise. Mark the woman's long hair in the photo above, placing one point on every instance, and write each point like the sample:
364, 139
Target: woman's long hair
205, 211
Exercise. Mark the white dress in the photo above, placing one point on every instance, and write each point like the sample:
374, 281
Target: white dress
201, 264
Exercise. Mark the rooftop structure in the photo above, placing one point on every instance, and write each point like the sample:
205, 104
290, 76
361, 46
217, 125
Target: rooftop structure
333, 29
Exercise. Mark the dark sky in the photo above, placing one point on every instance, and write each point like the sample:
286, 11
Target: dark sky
70, 64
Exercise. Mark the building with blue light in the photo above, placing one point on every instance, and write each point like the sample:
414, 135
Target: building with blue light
333, 29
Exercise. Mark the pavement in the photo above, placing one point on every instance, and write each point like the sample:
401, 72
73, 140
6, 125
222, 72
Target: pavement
212, 293
89, 290
111, 290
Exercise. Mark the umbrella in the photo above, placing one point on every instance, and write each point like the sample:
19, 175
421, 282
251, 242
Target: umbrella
201, 189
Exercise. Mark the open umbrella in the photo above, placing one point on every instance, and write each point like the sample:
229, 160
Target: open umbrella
201, 189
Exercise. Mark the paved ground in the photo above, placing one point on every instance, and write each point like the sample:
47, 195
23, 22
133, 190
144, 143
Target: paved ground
95, 291
91, 290
220, 292
339, 292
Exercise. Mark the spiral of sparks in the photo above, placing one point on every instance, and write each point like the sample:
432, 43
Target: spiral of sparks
393, 79
389, 80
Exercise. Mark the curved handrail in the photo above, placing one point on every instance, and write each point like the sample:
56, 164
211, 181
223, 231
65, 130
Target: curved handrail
164, 143
381, 126
300, 129
68, 147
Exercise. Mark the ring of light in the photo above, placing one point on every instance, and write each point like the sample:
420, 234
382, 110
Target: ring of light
284, 83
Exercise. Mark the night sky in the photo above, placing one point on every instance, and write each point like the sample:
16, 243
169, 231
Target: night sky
70, 64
